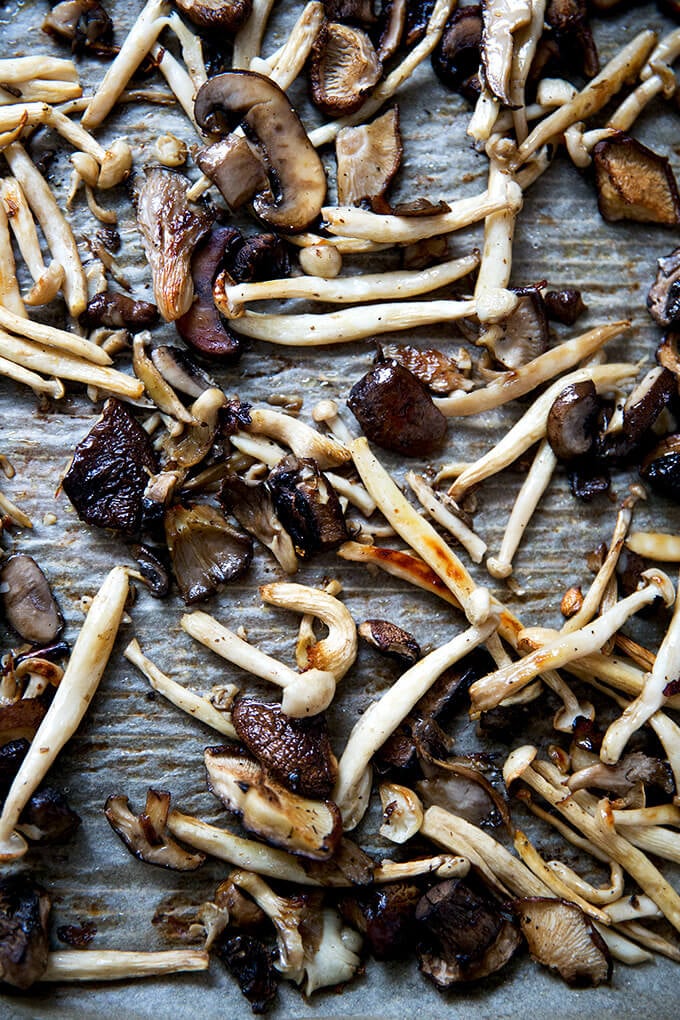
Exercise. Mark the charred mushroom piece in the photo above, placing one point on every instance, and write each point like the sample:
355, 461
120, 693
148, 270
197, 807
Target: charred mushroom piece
202, 326
171, 227
439, 372
634, 183
118, 311
153, 571
464, 936
307, 505
647, 401
661, 467
460, 786
24, 912
572, 32
418, 14
385, 916
253, 508
110, 470
297, 752
217, 15
623, 777
28, 603
395, 411
83, 23
524, 334
146, 835
12, 753
261, 257
368, 157
391, 27
572, 421
390, 640
663, 300
457, 55
20, 720
343, 68
561, 937
250, 963
297, 179
206, 551
311, 828
564, 305
668, 354
48, 818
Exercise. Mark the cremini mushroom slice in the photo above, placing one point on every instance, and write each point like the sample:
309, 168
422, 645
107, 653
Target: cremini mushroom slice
663, 300
120, 964
391, 640
368, 157
343, 68
258, 103
80, 681
634, 183
28, 603
560, 936
144, 835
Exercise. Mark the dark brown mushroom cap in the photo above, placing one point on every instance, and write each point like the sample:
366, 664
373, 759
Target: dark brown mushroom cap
661, 467
565, 305
307, 505
12, 753
457, 55
343, 69
249, 961
634, 183
395, 411
24, 913
109, 471
118, 311
146, 836
663, 300
205, 550
153, 570
418, 13
201, 327
297, 752
647, 401
668, 354
572, 421
48, 818
20, 720
357, 12
27, 600
385, 916
571, 26
298, 181
561, 937
391, 640
368, 157
524, 334
219, 15
261, 257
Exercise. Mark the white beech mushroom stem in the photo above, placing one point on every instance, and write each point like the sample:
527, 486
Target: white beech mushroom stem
493, 300
23, 226
52, 387
426, 495
524, 49
656, 76
533, 860
286, 63
383, 716
10, 295
399, 564
120, 965
248, 39
69, 343
303, 440
184, 90
655, 545
85, 669
485, 116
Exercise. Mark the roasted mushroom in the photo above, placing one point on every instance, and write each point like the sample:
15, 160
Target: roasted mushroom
647, 401
261, 257
368, 157
154, 572
390, 640
206, 551
440, 372
201, 326
572, 32
146, 835
565, 305
20, 720
24, 912
457, 55
253, 508
28, 603
661, 467
343, 68
116, 311
48, 818
83, 23
250, 963
663, 300
307, 505
385, 916
12, 753
523, 336
634, 183
561, 937
572, 421
236, 168
217, 15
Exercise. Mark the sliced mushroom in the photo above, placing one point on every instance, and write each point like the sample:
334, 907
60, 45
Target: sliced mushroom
390, 640
250, 963
661, 467
368, 157
565, 305
502, 18
634, 183
307, 505
343, 69
561, 937
253, 508
391, 27
663, 300
28, 602
48, 818
206, 551
647, 401
298, 181
146, 835
236, 168
385, 916
201, 326
24, 912
395, 410
572, 421
311, 828
440, 372
297, 752
116, 311
217, 15
457, 55
523, 336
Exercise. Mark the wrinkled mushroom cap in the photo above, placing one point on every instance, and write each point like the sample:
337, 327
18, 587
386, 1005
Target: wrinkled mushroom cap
344, 67
368, 157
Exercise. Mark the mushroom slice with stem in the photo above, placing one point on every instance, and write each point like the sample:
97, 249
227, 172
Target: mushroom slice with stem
300, 825
160, 391
343, 68
235, 167
253, 508
560, 936
24, 913
368, 157
28, 602
502, 19
634, 183
145, 835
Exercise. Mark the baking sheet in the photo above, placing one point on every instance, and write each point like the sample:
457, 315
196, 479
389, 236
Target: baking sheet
130, 739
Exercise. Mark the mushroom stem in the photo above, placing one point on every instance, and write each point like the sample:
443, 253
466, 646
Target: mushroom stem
23, 226
286, 63
303, 440
494, 301
11, 510
120, 965
86, 666
485, 116
69, 343
656, 76
248, 40
190, 702
399, 564
426, 495
605, 895
443, 866
523, 52
183, 88
52, 387
528, 498
533, 860
10, 295
383, 716
654, 545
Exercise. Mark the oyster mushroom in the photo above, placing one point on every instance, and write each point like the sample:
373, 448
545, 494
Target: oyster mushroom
560, 936
244, 97
343, 68
250, 963
523, 335
206, 551
368, 157
634, 183
145, 835
253, 508
24, 912
502, 19
27, 601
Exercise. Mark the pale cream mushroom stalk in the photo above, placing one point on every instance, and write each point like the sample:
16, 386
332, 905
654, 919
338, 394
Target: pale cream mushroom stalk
180, 82
55, 228
399, 564
472, 543
351, 222
303, 693
651, 699
23, 226
334, 653
357, 323
533, 860
285, 915
621, 674
51, 387
622, 68
602, 895
381, 718
47, 287
442, 865
248, 39
342, 245
529, 496
656, 76
160, 391
353, 492
188, 701
17, 70
397, 284
524, 49
192, 49
43, 90
514, 384
120, 965
660, 814
286, 63
85, 669
257, 447
13, 511
60, 339
485, 116
389, 85
531, 426
655, 545
494, 302
303, 440
10, 295
326, 412
489, 691
649, 939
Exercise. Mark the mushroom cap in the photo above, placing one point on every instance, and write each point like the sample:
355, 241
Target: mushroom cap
634, 183
368, 157
225, 15
343, 69
561, 937
27, 601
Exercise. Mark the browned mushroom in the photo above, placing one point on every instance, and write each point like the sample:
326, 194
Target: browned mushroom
235, 167
385, 916
109, 471
663, 300
647, 401
395, 411
356, 12
440, 372
20, 720
83, 23
368, 157
390, 640
154, 572
217, 15
12, 753
668, 354
201, 326
146, 835
621, 778
179, 369
24, 912
564, 305
206, 551
261, 257
48, 818
343, 68
572, 32
572, 421
253, 508
390, 29
523, 336
661, 467
116, 311
634, 183
307, 505
561, 937
457, 55
249, 961
28, 602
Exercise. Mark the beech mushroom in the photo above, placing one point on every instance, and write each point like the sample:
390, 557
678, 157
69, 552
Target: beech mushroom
654, 545
145, 835
501, 21
303, 440
399, 564
121, 965
439, 512
205, 550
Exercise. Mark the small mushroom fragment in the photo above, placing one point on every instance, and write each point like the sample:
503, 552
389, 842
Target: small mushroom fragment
464, 935
311, 828
634, 183
572, 32
171, 227
20, 720
385, 916
24, 912
572, 421
661, 467
564, 305
217, 15
663, 300
201, 326
298, 181
343, 68
260, 257
110, 470
297, 752
28, 602
456, 57
368, 157
235, 167
440, 372
561, 937
502, 18
48, 818
647, 401
253, 508
620, 779
391, 640
395, 411
83, 23
250, 963
146, 835
523, 336
307, 505
206, 551
116, 311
